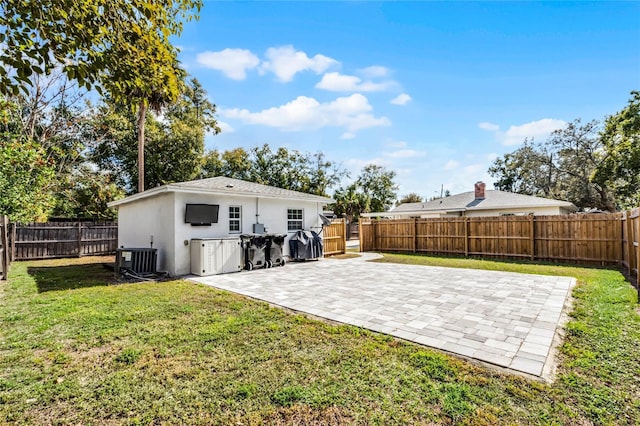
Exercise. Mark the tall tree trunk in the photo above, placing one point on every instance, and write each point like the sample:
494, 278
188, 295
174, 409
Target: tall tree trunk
142, 112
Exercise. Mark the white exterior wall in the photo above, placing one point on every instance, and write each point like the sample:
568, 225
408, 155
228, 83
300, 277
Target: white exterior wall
139, 220
163, 217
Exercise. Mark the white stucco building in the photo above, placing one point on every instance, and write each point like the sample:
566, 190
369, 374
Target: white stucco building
479, 202
156, 217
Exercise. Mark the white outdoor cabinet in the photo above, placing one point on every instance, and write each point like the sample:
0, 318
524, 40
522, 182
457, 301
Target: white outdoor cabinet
212, 256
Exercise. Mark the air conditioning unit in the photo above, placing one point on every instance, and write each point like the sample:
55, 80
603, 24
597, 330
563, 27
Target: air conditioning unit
137, 260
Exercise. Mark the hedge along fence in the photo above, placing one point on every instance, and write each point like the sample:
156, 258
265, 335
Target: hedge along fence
594, 239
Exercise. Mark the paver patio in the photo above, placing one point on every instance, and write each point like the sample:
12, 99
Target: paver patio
501, 318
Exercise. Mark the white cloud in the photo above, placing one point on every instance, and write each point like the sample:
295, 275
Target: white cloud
336, 82
489, 126
515, 135
491, 156
535, 129
225, 127
285, 62
396, 144
347, 135
234, 63
401, 99
374, 71
355, 165
406, 153
474, 169
352, 113
451, 165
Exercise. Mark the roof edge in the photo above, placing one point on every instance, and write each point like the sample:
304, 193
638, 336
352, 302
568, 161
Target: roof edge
187, 190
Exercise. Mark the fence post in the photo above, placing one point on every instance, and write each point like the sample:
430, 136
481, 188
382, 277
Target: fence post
14, 237
415, 234
630, 251
360, 227
466, 236
346, 234
373, 234
4, 241
79, 238
532, 229
636, 243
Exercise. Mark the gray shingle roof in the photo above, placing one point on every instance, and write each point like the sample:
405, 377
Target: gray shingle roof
225, 185
493, 200
237, 186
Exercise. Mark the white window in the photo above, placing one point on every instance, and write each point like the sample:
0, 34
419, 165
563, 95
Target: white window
294, 219
235, 218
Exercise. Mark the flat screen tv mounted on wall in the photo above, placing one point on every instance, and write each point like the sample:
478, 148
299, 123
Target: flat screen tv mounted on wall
201, 214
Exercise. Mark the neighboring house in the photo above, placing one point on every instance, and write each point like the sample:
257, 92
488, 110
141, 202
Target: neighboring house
157, 216
480, 202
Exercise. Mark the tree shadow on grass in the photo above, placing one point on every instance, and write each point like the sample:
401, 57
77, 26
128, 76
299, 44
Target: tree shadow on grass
68, 277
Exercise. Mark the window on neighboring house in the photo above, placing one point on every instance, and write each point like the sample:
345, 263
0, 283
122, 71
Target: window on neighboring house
235, 219
294, 219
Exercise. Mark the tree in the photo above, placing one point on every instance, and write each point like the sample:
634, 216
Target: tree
283, 168
377, 183
527, 170
26, 174
410, 198
350, 202
621, 166
560, 168
88, 40
120, 47
86, 193
174, 144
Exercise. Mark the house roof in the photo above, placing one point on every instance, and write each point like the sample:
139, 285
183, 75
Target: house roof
221, 185
494, 200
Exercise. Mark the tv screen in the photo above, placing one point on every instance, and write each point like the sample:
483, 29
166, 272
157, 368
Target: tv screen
201, 214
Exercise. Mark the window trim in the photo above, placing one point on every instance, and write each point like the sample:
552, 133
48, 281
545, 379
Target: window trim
234, 219
301, 220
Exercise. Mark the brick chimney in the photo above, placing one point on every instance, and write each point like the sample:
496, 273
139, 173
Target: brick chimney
479, 190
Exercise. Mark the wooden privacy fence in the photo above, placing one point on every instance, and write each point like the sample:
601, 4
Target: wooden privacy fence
630, 244
334, 238
62, 239
601, 239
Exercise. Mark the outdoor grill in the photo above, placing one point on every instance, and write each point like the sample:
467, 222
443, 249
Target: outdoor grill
305, 245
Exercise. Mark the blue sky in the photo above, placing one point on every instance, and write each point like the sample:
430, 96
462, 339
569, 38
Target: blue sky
432, 90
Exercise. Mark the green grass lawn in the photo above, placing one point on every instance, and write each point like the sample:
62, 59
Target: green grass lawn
78, 348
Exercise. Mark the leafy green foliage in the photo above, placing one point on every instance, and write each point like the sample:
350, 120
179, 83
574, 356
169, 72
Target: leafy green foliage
282, 168
410, 198
560, 168
51, 116
119, 47
377, 183
350, 202
97, 43
25, 181
621, 167
26, 174
85, 193
174, 146
373, 190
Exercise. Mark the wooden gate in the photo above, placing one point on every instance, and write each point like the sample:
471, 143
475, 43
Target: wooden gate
334, 238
